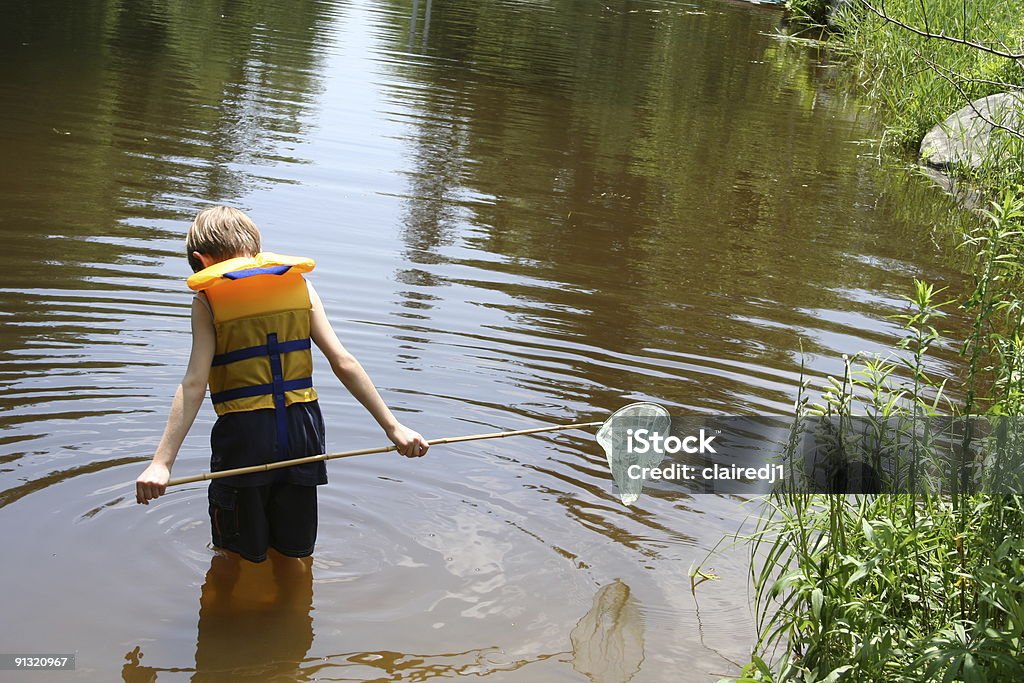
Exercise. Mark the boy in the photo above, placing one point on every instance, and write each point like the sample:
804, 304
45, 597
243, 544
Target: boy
253, 318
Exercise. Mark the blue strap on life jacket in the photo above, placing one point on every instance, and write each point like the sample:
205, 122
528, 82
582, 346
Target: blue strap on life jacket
249, 272
260, 350
280, 414
260, 390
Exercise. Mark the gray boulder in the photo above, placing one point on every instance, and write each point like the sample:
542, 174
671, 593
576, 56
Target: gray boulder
969, 139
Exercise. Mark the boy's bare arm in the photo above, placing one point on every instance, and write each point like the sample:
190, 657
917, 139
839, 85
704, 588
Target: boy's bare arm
188, 398
355, 379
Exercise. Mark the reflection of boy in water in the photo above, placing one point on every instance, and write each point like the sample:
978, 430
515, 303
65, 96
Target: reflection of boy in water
254, 319
254, 623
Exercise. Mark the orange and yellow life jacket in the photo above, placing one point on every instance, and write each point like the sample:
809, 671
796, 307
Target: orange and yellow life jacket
261, 312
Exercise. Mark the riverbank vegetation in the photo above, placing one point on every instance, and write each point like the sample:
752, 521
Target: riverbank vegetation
901, 587
925, 586
917, 62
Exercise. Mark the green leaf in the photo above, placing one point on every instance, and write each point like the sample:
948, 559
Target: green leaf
817, 599
836, 673
761, 666
869, 531
857, 575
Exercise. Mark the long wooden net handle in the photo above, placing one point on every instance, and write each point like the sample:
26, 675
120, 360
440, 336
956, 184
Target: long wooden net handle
367, 451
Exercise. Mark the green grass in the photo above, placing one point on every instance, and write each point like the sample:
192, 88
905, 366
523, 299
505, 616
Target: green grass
914, 82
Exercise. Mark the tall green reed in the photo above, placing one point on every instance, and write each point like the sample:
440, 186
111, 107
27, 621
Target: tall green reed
925, 587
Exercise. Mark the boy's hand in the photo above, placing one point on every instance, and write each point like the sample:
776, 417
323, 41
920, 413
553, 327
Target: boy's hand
409, 443
152, 483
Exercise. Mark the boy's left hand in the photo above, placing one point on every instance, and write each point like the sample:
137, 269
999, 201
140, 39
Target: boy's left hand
409, 443
152, 483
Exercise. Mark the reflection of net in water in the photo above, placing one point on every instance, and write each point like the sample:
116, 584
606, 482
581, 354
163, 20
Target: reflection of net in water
614, 437
608, 642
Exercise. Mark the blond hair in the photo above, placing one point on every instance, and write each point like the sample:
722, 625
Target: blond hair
221, 232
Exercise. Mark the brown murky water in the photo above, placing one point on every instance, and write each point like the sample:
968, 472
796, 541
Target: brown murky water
523, 213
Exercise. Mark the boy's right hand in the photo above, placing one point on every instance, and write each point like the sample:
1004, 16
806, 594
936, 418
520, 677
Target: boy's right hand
152, 483
408, 442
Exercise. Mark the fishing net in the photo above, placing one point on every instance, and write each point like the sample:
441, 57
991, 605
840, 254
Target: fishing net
619, 431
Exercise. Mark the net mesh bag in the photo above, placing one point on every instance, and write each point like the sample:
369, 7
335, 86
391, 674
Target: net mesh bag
614, 436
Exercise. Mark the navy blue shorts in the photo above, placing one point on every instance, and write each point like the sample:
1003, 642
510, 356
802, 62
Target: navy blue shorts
250, 438
249, 520
250, 513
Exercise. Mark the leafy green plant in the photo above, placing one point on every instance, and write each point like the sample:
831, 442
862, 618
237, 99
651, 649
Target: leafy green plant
906, 587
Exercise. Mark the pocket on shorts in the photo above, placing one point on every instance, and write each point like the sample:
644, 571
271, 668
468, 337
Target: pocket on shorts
223, 513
